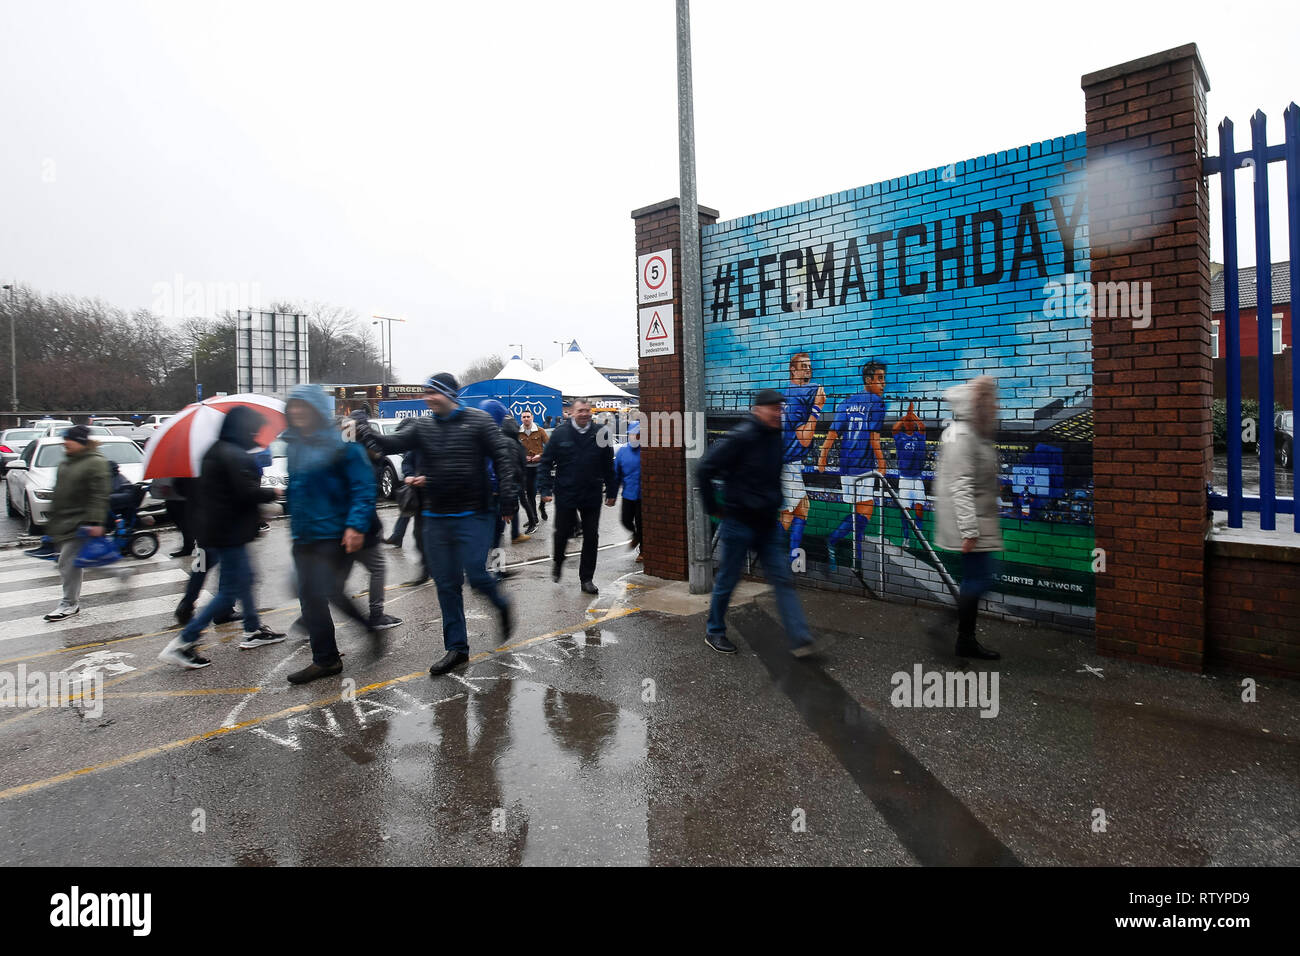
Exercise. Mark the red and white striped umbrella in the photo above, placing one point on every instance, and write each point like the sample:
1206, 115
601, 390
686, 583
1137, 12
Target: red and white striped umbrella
176, 449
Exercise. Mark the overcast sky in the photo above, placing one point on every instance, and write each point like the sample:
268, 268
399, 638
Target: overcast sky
471, 166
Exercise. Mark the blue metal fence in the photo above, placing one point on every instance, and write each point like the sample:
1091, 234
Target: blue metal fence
1225, 164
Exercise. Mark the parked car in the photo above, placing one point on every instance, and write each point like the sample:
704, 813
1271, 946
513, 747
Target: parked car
44, 423
1284, 439
58, 431
392, 475
29, 480
13, 441
107, 420
276, 475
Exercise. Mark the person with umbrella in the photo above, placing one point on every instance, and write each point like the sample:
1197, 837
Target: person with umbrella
232, 492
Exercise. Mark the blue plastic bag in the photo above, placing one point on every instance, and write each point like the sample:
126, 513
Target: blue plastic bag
96, 552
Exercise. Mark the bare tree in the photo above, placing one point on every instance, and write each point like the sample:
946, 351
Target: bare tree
482, 368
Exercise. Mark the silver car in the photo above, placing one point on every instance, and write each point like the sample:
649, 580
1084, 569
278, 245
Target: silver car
29, 480
14, 440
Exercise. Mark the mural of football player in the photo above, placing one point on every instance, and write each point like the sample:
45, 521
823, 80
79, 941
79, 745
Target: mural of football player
803, 407
857, 428
909, 450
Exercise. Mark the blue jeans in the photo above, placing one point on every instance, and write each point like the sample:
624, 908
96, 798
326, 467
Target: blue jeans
736, 538
455, 549
976, 581
236, 585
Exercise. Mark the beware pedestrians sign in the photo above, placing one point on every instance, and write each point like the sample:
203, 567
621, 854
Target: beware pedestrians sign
655, 277
657, 330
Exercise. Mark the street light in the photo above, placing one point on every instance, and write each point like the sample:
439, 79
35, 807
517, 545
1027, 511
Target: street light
389, 360
561, 345
13, 349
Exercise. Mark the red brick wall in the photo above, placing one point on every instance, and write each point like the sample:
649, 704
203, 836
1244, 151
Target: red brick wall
1254, 609
663, 470
1148, 212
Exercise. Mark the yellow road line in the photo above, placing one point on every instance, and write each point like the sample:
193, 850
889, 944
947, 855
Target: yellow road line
139, 755
197, 692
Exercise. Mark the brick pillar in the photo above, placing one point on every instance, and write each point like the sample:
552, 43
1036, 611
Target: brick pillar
663, 470
1148, 213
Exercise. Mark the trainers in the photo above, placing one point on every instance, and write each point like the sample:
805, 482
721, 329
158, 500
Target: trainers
383, 622
184, 655
720, 643
45, 550
522, 537
228, 617
315, 671
263, 635
807, 648
59, 613
530, 529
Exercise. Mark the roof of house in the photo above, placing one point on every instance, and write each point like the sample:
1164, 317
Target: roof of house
1246, 287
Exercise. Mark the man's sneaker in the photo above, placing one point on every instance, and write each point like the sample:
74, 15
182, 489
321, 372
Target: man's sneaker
523, 537
383, 622
228, 617
808, 648
315, 671
184, 655
720, 643
45, 550
589, 587
263, 635
532, 526
59, 613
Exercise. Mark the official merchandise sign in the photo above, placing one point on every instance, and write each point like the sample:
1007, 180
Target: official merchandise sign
657, 330
654, 277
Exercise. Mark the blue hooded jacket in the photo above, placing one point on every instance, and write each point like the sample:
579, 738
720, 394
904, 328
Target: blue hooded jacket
331, 484
627, 467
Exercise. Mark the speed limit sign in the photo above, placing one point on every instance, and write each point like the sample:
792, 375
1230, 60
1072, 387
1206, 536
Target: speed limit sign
655, 277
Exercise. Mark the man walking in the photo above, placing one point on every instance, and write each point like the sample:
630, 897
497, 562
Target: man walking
533, 438
582, 457
456, 501
331, 502
81, 488
966, 504
749, 460
627, 479
231, 490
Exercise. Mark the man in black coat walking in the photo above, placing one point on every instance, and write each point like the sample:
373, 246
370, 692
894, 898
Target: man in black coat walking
582, 457
748, 460
231, 490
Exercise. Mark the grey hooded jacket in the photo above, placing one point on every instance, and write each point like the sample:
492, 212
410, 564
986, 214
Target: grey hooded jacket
966, 496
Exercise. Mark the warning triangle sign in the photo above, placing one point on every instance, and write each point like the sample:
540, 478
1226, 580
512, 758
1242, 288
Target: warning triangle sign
656, 330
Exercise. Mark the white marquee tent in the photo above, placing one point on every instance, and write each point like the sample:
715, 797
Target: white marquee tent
575, 377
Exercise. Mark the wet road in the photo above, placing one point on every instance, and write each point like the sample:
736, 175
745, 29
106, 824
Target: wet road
606, 732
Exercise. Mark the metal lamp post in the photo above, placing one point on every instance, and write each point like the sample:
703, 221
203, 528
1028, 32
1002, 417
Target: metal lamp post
13, 350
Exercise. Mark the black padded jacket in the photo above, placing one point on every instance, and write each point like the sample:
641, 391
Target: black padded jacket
452, 453
748, 461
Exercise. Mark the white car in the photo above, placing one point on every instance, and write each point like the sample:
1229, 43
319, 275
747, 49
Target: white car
58, 431
29, 480
392, 476
14, 440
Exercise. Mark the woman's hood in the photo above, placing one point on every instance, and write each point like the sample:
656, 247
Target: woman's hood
961, 399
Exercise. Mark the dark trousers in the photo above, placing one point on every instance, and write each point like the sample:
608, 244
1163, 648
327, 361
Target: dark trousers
528, 494
976, 581
456, 548
631, 518
566, 516
318, 565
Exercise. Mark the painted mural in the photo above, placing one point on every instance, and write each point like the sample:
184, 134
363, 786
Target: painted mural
864, 307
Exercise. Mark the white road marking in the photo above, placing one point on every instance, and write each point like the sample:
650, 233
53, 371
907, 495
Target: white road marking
90, 615
10, 599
